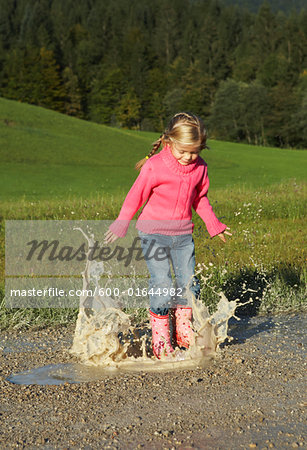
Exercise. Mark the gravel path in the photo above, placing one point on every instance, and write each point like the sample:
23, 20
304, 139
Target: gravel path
250, 396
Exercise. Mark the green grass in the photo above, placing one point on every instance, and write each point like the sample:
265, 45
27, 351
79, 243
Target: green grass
264, 260
58, 167
47, 155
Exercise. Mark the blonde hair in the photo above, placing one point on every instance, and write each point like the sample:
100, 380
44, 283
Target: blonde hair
184, 128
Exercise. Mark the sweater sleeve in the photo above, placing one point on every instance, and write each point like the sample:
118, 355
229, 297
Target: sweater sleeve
136, 197
203, 208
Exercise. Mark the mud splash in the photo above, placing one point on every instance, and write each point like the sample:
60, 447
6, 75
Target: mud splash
105, 337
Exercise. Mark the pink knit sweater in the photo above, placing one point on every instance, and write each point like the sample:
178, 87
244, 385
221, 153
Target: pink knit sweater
171, 190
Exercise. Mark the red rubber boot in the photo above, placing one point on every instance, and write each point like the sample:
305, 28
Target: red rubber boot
184, 330
161, 341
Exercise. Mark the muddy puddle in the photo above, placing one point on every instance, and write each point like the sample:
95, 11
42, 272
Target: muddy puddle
107, 343
269, 333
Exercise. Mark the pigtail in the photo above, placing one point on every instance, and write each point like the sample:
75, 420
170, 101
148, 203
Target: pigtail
156, 145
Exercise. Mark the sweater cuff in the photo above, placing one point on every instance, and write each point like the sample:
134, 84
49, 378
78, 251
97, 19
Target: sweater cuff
215, 227
119, 227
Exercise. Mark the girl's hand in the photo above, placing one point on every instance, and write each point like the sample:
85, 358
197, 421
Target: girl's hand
221, 235
109, 237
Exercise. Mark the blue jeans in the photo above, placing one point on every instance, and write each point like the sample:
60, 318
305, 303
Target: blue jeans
160, 252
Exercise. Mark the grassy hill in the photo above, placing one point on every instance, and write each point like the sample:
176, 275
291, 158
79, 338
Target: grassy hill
47, 155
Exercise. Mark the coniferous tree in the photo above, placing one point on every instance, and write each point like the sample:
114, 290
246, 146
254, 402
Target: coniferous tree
198, 88
32, 76
7, 12
90, 58
128, 111
153, 108
50, 90
173, 102
106, 93
72, 101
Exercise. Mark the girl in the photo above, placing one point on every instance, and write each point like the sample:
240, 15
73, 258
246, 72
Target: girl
172, 182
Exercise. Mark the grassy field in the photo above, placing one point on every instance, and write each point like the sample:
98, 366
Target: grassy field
46, 155
57, 167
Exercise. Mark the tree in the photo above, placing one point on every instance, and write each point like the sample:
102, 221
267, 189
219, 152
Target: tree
106, 93
240, 111
254, 99
274, 70
164, 55
284, 103
7, 12
226, 116
173, 102
265, 33
73, 101
33, 76
300, 119
50, 90
153, 108
199, 89
128, 111
36, 25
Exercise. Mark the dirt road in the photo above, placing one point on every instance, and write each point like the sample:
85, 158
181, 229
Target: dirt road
251, 396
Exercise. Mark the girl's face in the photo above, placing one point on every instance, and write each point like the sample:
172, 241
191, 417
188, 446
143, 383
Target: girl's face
185, 154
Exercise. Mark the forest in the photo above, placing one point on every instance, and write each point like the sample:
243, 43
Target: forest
286, 6
132, 64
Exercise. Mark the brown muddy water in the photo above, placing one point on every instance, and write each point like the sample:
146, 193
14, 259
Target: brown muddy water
267, 331
251, 394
